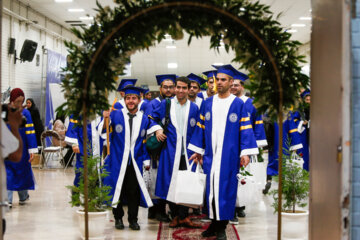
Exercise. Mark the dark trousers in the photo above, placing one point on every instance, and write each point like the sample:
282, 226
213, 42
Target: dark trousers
131, 192
217, 225
178, 210
68, 155
3, 226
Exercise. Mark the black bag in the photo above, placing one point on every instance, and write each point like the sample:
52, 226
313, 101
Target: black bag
153, 146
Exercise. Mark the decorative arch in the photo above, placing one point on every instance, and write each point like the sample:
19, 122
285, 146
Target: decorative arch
260, 44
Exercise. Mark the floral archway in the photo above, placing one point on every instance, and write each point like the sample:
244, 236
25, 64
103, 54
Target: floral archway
248, 28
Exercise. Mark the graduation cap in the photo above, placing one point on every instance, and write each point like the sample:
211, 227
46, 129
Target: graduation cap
164, 77
125, 83
196, 78
133, 90
226, 69
241, 76
210, 74
146, 90
305, 93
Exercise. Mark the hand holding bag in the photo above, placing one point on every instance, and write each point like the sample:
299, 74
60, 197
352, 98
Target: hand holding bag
190, 187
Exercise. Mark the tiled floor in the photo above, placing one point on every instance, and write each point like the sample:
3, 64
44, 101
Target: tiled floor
48, 215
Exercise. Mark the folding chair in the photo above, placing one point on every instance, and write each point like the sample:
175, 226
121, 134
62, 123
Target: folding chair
48, 152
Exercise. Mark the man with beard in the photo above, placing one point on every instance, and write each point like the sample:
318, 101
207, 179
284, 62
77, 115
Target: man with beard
166, 83
222, 142
195, 83
127, 157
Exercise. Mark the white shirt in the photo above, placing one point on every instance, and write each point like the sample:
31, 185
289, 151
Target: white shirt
180, 111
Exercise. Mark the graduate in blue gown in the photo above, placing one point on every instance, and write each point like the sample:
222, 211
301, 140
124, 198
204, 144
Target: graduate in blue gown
174, 156
302, 119
128, 156
291, 142
195, 83
210, 91
167, 89
19, 174
74, 137
224, 138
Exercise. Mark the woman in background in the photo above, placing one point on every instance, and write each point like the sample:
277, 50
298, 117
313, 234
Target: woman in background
35, 116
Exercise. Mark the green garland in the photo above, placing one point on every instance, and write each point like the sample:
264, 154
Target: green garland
147, 29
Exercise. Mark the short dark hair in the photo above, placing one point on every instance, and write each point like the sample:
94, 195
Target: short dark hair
184, 80
195, 82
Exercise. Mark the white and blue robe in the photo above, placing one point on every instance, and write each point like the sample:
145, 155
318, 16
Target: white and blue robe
291, 142
74, 135
222, 139
304, 132
256, 121
170, 155
198, 101
203, 95
121, 150
19, 175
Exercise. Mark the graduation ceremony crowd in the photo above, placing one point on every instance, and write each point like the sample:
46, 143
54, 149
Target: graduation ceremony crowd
215, 131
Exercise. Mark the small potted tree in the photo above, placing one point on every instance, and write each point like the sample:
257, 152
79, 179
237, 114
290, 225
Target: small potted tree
295, 192
98, 199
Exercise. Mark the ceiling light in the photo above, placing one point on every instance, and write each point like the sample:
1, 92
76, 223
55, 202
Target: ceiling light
291, 31
305, 18
86, 18
298, 25
172, 65
217, 64
76, 10
63, 1
171, 47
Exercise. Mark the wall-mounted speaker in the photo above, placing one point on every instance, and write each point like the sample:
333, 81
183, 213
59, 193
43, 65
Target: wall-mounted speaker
28, 50
11, 45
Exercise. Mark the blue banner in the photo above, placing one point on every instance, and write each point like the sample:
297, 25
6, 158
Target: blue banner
54, 97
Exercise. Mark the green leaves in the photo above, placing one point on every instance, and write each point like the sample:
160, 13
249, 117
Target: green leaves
148, 29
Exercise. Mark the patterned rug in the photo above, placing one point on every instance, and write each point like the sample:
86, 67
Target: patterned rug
166, 233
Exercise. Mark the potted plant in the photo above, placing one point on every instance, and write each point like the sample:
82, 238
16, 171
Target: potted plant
98, 199
295, 192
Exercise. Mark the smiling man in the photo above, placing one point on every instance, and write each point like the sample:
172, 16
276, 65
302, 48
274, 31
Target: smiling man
174, 155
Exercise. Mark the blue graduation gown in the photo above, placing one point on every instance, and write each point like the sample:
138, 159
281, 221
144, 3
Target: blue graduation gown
256, 121
304, 136
170, 155
290, 133
153, 104
19, 175
221, 165
203, 95
121, 149
74, 135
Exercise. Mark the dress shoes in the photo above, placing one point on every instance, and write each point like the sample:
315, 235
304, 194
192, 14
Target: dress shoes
174, 223
221, 235
208, 233
134, 226
186, 222
162, 217
119, 224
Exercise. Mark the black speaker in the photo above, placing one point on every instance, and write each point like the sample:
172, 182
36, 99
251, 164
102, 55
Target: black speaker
28, 50
11, 45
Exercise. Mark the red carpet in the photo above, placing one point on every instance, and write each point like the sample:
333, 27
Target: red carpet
166, 233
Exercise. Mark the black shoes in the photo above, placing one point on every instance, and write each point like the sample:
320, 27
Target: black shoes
221, 235
234, 221
267, 187
241, 213
22, 202
162, 217
134, 226
152, 213
208, 233
119, 224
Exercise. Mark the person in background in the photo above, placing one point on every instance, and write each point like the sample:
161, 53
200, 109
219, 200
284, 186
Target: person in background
11, 149
35, 116
210, 91
194, 90
148, 95
19, 174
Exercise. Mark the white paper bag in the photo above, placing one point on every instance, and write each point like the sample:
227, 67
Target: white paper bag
248, 193
190, 187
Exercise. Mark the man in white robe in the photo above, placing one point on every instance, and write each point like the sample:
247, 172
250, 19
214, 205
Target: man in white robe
222, 141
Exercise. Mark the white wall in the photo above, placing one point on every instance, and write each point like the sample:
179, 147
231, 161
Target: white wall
27, 75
